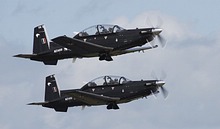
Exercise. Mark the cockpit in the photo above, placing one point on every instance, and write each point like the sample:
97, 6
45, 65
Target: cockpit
107, 80
100, 29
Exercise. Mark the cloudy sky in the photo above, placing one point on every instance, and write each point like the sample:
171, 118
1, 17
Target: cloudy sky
190, 60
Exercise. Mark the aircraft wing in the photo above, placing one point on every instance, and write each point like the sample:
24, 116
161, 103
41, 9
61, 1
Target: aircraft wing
77, 45
92, 99
136, 49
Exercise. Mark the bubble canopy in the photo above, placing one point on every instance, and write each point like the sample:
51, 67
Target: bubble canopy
107, 80
100, 29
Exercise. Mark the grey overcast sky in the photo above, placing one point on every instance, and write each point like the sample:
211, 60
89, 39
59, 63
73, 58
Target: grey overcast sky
190, 60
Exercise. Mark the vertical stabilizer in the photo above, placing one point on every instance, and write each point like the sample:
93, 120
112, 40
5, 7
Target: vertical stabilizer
52, 91
41, 41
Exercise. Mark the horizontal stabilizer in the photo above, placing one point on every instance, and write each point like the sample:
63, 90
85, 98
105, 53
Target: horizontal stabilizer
25, 55
37, 103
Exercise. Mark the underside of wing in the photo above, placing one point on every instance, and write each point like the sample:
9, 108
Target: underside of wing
80, 46
91, 98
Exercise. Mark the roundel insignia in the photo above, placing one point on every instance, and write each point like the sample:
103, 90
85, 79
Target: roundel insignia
37, 35
49, 83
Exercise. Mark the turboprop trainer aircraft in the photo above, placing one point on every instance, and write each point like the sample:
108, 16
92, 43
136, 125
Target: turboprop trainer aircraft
103, 41
105, 90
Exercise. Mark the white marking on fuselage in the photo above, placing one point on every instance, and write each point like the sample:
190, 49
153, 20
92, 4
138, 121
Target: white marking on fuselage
93, 89
116, 40
84, 40
105, 37
148, 84
61, 49
66, 49
68, 98
58, 50
113, 88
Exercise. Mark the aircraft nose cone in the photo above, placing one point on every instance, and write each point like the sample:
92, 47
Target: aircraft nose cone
157, 31
160, 83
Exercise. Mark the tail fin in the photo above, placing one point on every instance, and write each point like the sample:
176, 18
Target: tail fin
52, 94
41, 41
51, 89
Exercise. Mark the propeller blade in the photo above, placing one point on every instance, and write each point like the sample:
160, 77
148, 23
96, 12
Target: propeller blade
155, 95
154, 76
164, 92
160, 83
159, 75
162, 40
159, 22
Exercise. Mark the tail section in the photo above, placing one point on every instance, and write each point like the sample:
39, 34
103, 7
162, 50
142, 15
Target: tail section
52, 96
41, 40
42, 47
51, 89
42, 44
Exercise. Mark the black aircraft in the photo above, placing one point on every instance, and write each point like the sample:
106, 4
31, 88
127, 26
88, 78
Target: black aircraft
103, 41
105, 90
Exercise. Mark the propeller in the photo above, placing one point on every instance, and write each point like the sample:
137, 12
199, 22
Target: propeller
160, 83
156, 30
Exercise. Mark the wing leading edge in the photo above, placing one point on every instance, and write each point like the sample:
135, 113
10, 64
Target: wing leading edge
131, 50
76, 44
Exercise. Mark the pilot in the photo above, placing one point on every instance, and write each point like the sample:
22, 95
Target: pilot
110, 30
84, 34
115, 81
103, 30
92, 84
